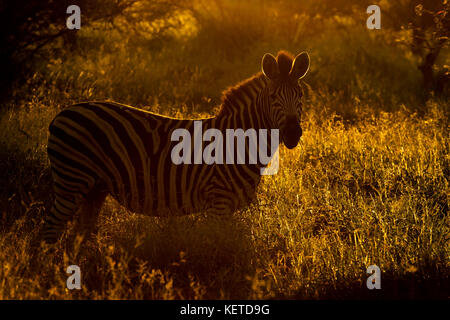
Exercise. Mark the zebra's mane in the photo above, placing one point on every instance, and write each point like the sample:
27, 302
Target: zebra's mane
284, 61
232, 97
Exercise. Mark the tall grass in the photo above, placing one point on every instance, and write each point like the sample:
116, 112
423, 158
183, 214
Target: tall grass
367, 185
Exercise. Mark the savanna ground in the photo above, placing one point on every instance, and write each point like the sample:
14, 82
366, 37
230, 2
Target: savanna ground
368, 184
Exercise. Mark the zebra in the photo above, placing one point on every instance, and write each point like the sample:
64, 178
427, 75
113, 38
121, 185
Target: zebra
99, 148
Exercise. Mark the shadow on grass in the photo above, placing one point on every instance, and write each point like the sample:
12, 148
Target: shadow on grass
409, 286
25, 186
190, 257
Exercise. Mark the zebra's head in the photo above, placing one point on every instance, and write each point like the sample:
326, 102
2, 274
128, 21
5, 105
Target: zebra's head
284, 93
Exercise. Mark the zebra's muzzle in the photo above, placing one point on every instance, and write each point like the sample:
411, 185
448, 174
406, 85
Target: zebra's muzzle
291, 133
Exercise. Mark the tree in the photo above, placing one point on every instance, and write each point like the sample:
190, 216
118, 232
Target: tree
29, 28
428, 24
431, 31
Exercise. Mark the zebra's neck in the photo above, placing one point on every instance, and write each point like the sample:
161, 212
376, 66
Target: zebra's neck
242, 105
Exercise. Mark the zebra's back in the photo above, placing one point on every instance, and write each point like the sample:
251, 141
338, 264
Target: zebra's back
130, 151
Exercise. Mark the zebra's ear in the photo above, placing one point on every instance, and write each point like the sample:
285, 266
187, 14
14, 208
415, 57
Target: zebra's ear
300, 66
269, 67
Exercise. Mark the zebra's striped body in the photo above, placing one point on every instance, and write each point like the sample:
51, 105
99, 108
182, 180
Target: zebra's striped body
100, 148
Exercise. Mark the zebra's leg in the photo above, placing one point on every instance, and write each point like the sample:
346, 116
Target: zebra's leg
90, 210
63, 209
221, 204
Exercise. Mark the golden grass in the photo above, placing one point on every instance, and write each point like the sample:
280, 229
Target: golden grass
349, 196
368, 183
